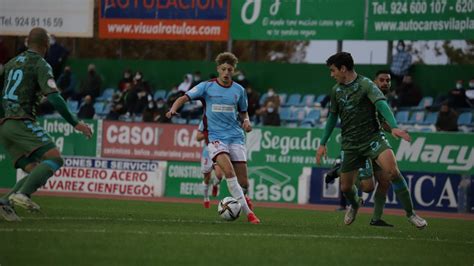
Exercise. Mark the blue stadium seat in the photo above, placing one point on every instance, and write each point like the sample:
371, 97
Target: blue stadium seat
73, 105
465, 119
320, 98
194, 121
178, 120
293, 100
99, 107
402, 117
262, 99
308, 100
106, 95
285, 114
425, 102
312, 118
417, 117
430, 119
298, 114
159, 94
283, 97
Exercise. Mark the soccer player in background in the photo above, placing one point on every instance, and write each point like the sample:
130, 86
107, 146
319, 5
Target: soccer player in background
365, 177
222, 99
28, 77
207, 166
355, 99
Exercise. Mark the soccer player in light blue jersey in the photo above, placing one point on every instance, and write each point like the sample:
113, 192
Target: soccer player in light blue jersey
222, 99
207, 166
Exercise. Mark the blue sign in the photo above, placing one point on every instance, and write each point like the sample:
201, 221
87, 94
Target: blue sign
429, 191
165, 9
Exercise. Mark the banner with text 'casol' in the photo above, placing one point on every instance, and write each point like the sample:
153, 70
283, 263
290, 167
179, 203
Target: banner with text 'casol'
420, 20
204, 20
297, 19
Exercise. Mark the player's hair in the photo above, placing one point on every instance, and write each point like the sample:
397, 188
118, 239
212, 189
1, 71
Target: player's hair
341, 59
383, 71
228, 58
38, 37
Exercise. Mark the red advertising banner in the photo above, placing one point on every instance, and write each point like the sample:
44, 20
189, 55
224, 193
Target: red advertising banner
199, 20
150, 141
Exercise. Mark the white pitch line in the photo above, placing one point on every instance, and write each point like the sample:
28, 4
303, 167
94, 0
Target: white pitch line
218, 234
121, 219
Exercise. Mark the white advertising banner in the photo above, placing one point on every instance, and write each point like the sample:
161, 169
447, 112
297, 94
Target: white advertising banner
63, 18
119, 177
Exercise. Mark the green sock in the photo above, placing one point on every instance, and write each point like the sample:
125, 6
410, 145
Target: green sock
15, 189
401, 190
379, 203
357, 182
352, 197
40, 174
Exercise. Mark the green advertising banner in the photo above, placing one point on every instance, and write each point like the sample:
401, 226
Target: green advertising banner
420, 19
297, 19
428, 152
68, 141
183, 180
267, 182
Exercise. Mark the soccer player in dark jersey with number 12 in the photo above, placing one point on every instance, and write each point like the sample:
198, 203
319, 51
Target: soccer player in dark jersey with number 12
27, 78
356, 100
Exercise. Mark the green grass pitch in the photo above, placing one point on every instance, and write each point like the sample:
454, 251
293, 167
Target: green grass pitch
73, 231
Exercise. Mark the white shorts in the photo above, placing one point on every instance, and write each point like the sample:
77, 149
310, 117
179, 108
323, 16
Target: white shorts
237, 152
206, 162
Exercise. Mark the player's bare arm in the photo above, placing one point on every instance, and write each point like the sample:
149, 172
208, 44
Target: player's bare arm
246, 125
176, 105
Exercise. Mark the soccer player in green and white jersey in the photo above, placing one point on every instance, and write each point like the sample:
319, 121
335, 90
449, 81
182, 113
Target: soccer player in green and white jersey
356, 99
27, 78
365, 180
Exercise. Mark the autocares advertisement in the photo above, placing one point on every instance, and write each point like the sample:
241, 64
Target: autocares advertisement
203, 20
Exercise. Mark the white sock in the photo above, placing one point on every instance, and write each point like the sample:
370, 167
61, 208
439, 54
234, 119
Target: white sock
237, 193
205, 190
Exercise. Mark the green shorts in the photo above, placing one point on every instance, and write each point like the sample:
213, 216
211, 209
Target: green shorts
25, 141
368, 171
356, 159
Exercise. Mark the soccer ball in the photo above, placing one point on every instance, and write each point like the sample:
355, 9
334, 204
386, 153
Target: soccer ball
229, 209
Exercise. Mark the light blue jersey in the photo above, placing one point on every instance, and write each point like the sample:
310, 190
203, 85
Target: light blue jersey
221, 105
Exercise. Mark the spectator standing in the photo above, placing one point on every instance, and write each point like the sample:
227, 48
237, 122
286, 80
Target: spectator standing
401, 63
67, 83
196, 78
92, 83
470, 93
253, 98
87, 110
56, 56
408, 93
126, 78
447, 119
270, 115
457, 96
185, 85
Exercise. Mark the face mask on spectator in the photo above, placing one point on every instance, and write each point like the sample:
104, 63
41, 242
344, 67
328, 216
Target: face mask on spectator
270, 93
270, 109
138, 77
197, 78
458, 86
471, 85
240, 77
126, 75
160, 105
150, 105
